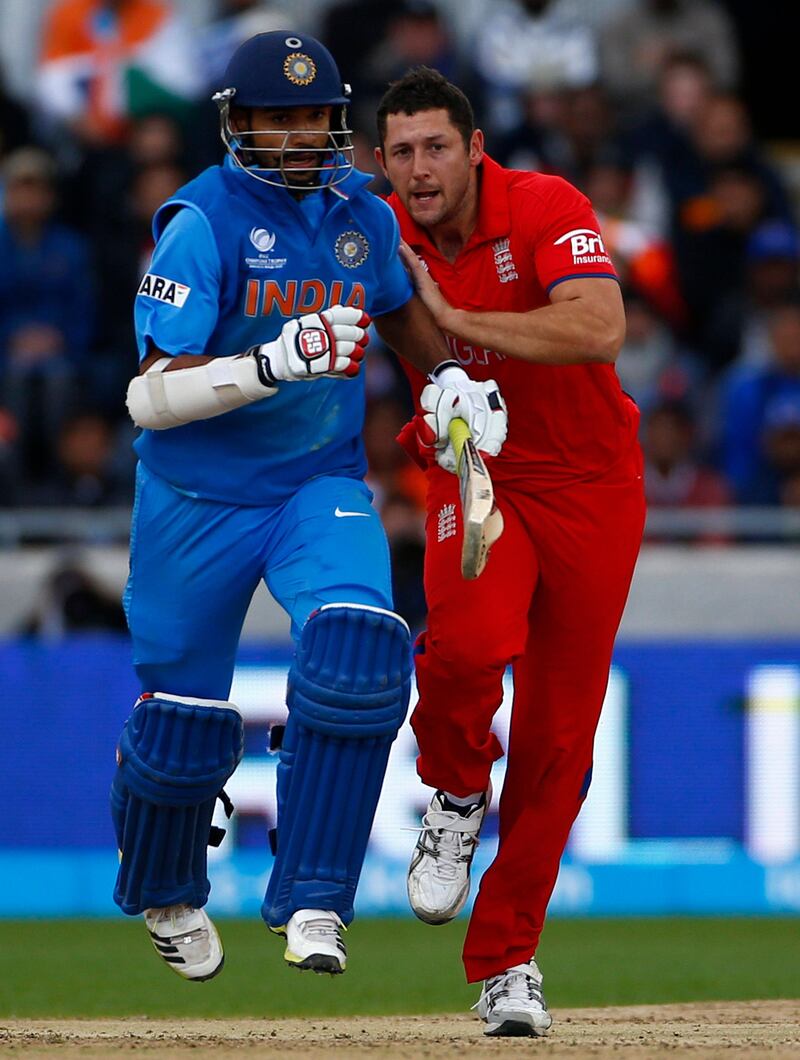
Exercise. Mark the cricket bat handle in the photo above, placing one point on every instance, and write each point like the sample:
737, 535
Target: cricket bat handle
459, 434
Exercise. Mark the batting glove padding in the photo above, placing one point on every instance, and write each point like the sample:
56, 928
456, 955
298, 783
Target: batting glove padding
331, 343
452, 394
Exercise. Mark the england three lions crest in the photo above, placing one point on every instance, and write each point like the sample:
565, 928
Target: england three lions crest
351, 249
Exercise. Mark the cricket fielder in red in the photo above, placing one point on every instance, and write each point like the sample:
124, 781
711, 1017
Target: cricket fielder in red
513, 268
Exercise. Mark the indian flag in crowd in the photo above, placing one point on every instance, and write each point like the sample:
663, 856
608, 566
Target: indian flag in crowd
105, 62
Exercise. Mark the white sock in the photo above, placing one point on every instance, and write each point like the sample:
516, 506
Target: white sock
467, 800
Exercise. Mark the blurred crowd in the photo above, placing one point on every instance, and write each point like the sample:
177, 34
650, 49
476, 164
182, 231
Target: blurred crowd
640, 103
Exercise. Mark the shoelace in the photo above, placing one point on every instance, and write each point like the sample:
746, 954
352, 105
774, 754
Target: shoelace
174, 915
323, 929
452, 840
518, 985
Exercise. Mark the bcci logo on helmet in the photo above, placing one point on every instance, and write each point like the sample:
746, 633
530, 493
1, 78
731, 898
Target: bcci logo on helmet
299, 68
262, 240
351, 249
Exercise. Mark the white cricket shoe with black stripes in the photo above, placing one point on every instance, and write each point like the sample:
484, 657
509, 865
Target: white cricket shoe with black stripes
314, 941
512, 1004
438, 876
186, 940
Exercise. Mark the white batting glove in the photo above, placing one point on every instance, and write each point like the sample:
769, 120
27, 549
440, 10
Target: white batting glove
330, 343
452, 393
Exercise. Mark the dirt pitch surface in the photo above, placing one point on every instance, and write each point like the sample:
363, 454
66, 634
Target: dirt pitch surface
716, 1029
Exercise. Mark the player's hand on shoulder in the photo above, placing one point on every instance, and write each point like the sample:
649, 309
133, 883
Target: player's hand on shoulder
425, 285
452, 393
331, 343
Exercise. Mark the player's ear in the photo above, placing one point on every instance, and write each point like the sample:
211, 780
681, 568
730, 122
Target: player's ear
379, 160
476, 147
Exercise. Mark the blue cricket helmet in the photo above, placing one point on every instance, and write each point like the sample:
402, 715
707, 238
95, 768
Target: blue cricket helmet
285, 69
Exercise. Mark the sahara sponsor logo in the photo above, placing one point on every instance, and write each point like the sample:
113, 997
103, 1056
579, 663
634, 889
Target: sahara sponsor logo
164, 290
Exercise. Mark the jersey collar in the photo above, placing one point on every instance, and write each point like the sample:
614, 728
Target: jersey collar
494, 214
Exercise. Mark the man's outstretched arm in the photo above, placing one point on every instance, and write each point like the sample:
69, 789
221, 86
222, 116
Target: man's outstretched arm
584, 323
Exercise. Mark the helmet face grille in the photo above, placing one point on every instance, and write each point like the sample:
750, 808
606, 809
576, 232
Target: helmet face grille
332, 162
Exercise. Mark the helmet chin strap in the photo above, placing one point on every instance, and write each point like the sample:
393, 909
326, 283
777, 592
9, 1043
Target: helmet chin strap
339, 148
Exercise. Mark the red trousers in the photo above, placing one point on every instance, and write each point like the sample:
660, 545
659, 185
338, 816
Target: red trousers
549, 604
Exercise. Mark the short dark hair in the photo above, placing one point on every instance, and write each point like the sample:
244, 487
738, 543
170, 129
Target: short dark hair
426, 89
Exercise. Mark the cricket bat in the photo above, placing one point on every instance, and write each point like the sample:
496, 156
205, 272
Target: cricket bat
483, 521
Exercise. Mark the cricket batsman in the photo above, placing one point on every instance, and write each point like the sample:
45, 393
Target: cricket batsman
251, 323
514, 270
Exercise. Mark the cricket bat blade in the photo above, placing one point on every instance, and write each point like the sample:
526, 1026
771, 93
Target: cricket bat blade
482, 519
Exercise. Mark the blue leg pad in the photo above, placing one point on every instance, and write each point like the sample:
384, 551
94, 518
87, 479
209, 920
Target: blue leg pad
347, 696
174, 757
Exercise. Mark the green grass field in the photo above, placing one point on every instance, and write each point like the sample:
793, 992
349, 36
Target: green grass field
95, 968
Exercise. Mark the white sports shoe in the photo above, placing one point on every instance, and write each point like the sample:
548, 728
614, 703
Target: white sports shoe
187, 940
513, 1005
314, 941
438, 876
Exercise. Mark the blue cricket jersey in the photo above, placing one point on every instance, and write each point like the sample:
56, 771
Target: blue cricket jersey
234, 260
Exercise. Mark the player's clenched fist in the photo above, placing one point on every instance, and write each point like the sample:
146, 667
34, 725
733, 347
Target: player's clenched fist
330, 343
453, 394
